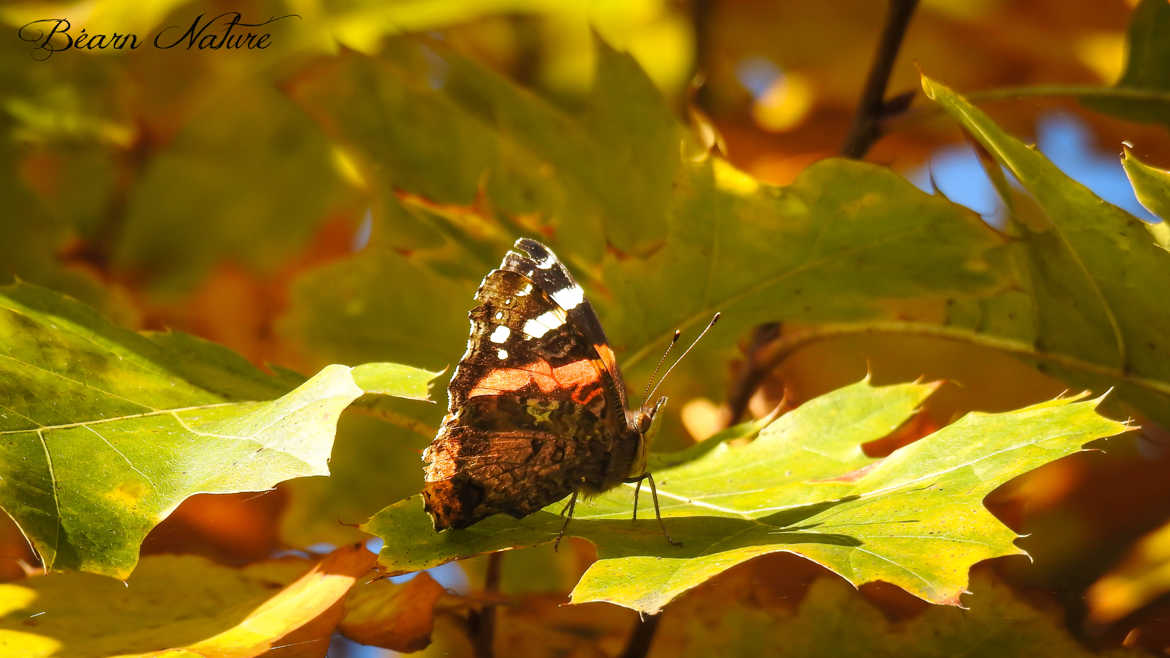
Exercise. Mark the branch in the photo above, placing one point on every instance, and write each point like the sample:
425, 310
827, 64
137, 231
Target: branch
642, 637
481, 625
701, 13
873, 107
753, 372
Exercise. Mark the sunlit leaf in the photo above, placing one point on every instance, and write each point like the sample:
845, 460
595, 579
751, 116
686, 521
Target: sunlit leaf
394, 616
1086, 311
106, 430
659, 234
1152, 187
914, 519
182, 606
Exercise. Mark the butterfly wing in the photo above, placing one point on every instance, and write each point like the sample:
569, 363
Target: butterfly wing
539, 263
534, 410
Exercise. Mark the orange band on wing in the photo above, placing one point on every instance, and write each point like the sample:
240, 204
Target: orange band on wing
575, 375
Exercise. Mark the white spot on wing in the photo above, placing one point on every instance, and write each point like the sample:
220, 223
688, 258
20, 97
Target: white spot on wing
502, 354
500, 335
547, 263
569, 298
541, 325
523, 292
499, 315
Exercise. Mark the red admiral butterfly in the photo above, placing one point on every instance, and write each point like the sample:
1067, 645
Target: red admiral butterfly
537, 406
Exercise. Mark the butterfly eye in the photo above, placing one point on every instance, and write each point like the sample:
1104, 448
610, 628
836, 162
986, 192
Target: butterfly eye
645, 420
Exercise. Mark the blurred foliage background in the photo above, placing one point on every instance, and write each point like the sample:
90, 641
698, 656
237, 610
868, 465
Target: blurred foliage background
189, 189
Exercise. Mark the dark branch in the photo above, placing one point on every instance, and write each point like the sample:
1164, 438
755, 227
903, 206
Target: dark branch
701, 13
481, 625
873, 107
752, 373
871, 110
642, 637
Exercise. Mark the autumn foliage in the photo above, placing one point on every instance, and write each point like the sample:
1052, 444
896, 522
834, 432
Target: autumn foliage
239, 245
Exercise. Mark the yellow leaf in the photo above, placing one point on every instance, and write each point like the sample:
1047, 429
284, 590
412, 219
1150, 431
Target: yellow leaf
179, 606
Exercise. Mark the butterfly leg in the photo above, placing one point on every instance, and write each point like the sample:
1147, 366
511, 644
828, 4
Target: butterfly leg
657, 511
568, 517
637, 488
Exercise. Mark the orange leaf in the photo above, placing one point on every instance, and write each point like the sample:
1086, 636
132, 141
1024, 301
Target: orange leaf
397, 617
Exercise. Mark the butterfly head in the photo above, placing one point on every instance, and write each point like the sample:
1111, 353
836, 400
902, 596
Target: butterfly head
647, 421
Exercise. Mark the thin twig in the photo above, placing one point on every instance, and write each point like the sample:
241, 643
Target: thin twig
871, 110
642, 637
481, 624
752, 373
872, 107
701, 12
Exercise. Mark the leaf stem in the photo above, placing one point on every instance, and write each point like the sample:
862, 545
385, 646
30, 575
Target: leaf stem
873, 107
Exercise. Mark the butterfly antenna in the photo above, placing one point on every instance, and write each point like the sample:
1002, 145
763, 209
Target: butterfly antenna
658, 365
714, 319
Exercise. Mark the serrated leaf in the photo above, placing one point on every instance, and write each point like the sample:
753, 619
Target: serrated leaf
464, 162
181, 606
914, 519
831, 250
104, 431
1152, 188
1087, 312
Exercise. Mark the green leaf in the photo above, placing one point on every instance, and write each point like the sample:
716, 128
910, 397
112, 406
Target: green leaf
105, 431
1143, 92
1086, 311
1152, 187
206, 197
845, 248
914, 519
659, 233
373, 464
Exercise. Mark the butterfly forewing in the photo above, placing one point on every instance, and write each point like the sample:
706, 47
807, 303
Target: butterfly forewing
538, 263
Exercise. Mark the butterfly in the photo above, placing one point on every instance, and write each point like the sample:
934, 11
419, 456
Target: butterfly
537, 405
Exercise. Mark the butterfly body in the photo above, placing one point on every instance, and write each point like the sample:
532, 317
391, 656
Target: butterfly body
537, 405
